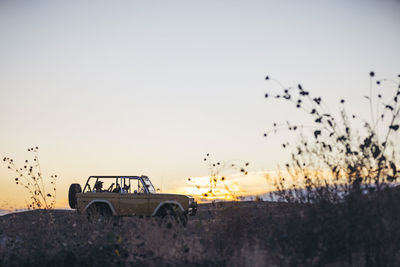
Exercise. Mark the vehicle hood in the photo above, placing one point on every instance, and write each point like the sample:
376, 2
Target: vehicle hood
170, 196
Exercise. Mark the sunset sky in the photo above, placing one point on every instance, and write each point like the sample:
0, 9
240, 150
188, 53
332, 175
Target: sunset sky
150, 87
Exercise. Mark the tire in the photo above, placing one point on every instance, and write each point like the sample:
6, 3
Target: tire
99, 212
172, 214
73, 190
182, 219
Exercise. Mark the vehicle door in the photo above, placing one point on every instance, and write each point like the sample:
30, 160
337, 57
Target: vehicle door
101, 195
134, 199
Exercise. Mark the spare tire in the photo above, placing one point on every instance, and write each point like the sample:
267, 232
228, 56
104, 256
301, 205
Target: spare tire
73, 190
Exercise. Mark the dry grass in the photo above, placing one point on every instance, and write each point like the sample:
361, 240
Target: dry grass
230, 234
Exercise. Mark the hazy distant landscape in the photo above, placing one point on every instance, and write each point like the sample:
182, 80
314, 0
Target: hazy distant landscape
2, 212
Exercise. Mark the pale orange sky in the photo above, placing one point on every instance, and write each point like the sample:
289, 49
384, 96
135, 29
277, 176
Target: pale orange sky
148, 88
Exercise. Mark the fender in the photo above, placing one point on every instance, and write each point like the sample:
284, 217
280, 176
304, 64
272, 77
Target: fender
165, 203
101, 201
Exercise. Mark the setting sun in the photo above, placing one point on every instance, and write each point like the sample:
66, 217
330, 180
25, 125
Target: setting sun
229, 187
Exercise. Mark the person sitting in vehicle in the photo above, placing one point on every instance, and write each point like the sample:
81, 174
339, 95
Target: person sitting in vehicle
125, 188
98, 187
117, 189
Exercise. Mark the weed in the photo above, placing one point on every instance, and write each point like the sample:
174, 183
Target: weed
30, 177
216, 177
344, 175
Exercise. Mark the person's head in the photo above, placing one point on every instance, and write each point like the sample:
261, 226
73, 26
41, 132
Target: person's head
98, 185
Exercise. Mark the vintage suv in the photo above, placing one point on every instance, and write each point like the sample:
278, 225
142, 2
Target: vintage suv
128, 196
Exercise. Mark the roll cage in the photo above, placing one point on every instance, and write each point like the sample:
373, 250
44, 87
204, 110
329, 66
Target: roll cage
122, 184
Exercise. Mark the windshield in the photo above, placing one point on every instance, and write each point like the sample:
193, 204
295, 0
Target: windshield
149, 185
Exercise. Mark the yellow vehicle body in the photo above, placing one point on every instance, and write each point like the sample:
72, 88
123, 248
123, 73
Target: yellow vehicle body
124, 201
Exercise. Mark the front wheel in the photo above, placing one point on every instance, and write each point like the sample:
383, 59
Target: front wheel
172, 215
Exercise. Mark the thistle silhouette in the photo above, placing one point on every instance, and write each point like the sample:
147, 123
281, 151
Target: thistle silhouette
31, 178
350, 156
216, 170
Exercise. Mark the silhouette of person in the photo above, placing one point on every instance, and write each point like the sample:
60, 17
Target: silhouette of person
98, 187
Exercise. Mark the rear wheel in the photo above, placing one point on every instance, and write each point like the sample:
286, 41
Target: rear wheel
99, 212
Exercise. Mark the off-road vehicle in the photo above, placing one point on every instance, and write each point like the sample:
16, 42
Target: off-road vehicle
128, 196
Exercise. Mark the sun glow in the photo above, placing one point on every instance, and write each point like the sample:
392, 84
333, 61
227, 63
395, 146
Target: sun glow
239, 187
225, 188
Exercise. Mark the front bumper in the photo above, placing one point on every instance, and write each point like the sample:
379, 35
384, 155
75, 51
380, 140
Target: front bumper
192, 208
